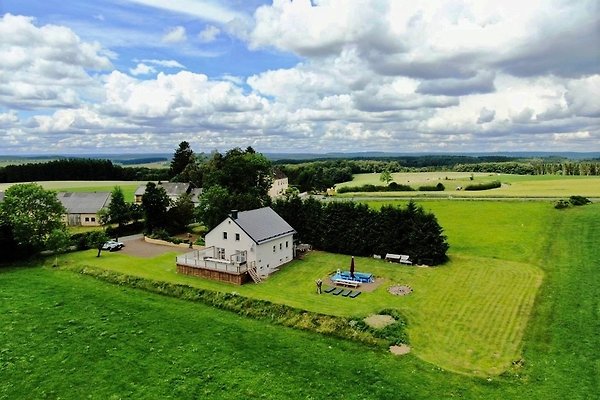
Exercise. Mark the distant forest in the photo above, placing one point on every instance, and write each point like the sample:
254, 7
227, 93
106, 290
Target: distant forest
79, 169
307, 175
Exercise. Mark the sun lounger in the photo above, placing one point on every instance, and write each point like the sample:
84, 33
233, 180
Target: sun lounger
346, 292
337, 291
329, 290
354, 294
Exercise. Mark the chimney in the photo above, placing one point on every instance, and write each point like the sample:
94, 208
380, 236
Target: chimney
234, 214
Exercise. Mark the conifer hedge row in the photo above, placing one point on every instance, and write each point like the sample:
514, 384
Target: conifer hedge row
355, 229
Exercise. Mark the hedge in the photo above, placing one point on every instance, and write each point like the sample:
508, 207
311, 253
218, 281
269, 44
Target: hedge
280, 314
484, 186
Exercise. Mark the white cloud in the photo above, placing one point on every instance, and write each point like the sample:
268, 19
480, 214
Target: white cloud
208, 10
45, 66
175, 35
209, 34
142, 69
373, 75
163, 63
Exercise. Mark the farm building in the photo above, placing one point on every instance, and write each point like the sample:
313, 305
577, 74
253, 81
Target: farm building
173, 189
246, 245
82, 207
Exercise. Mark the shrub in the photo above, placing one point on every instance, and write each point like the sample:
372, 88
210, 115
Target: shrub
392, 187
432, 188
579, 200
484, 186
129, 229
560, 204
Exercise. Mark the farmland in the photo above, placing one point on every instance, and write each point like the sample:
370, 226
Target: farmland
517, 273
128, 187
515, 186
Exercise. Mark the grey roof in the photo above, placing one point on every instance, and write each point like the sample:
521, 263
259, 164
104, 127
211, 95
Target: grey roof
173, 189
84, 202
263, 224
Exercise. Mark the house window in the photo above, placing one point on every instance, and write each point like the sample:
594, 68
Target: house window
224, 235
286, 244
220, 253
237, 237
87, 219
273, 249
280, 246
93, 219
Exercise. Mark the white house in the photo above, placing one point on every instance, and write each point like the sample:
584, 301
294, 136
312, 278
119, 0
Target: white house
247, 243
280, 184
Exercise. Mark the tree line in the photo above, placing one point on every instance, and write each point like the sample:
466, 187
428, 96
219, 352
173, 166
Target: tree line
355, 229
78, 169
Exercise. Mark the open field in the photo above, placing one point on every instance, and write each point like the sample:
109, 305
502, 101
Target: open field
110, 341
128, 187
512, 185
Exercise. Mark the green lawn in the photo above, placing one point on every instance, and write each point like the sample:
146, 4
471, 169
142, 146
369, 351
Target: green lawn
467, 316
128, 187
67, 335
513, 185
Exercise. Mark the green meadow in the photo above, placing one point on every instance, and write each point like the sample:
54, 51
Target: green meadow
513, 314
515, 186
128, 187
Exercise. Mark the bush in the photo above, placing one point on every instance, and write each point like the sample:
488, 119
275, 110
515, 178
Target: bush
560, 204
432, 188
129, 229
392, 187
579, 200
484, 186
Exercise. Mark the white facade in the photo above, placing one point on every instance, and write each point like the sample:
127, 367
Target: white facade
278, 187
230, 239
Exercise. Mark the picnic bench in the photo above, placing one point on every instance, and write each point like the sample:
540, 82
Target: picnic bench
346, 282
399, 258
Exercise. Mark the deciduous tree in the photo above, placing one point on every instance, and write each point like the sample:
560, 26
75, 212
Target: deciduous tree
155, 203
32, 214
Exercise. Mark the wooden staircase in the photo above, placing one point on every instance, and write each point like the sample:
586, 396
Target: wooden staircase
254, 275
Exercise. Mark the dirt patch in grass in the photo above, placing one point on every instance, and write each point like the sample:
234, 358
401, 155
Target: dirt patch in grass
400, 350
400, 290
379, 321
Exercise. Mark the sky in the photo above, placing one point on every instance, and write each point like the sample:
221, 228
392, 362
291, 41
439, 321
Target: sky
140, 76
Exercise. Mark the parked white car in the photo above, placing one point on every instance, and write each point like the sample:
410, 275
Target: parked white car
112, 245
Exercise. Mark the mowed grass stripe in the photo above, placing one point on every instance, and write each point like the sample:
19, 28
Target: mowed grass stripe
466, 328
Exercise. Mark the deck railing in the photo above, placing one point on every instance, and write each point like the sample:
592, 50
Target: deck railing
205, 259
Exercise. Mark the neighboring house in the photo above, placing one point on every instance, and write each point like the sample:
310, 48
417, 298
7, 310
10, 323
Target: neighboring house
82, 207
173, 189
280, 184
247, 244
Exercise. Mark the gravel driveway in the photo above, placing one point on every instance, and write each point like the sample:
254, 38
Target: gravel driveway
138, 248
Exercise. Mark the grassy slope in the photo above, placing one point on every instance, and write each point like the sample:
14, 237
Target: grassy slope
159, 350
514, 185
